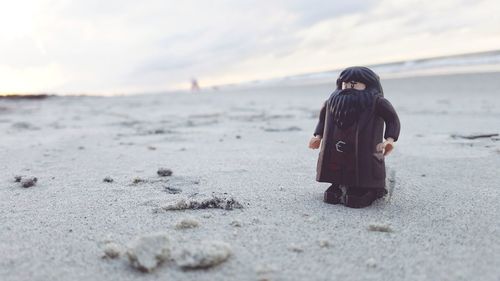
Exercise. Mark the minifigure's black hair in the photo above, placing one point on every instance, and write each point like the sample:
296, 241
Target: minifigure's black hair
361, 74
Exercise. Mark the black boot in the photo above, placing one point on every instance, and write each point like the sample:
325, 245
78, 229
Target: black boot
361, 197
333, 195
381, 192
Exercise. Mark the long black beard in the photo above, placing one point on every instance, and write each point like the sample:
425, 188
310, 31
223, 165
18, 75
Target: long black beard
347, 105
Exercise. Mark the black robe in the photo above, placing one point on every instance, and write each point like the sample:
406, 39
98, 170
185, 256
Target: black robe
369, 164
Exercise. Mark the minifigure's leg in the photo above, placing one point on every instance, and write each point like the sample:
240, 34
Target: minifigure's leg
333, 195
363, 197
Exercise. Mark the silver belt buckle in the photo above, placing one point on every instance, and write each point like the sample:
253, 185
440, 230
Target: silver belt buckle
337, 146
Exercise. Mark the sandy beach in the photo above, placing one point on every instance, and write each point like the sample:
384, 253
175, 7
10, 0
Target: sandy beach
442, 221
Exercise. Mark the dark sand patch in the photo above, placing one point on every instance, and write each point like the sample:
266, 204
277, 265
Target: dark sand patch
214, 202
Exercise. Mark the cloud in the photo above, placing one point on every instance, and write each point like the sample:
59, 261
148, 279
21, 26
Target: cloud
151, 45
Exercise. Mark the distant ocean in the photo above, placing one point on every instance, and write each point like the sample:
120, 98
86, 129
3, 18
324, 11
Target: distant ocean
466, 63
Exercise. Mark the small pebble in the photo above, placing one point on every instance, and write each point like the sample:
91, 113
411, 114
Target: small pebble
138, 180
371, 262
187, 223
236, 223
265, 268
311, 219
112, 250
379, 228
295, 248
162, 172
206, 215
324, 243
265, 272
28, 182
108, 179
173, 190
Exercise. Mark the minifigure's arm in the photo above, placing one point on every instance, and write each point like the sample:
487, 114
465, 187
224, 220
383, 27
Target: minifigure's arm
321, 123
385, 110
315, 141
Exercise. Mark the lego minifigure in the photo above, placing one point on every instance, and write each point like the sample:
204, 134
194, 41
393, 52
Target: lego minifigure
350, 133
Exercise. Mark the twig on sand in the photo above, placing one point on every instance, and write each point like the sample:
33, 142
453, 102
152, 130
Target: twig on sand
473, 137
380, 228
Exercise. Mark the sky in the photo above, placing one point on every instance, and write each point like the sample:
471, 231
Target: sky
129, 46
